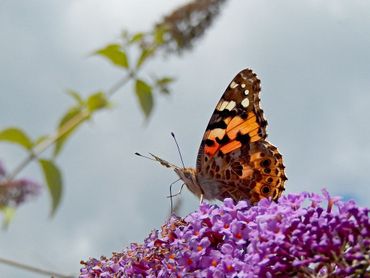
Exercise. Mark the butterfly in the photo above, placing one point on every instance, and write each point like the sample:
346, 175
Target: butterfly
234, 159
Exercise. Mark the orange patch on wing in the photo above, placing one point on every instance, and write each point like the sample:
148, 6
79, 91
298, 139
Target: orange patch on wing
254, 135
229, 147
212, 135
211, 150
248, 126
227, 120
235, 122
217, 132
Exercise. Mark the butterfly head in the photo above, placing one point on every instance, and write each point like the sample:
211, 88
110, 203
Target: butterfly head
189, 176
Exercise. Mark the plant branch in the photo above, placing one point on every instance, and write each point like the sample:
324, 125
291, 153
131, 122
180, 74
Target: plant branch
43, 145
119, 84
67, 127
34, 269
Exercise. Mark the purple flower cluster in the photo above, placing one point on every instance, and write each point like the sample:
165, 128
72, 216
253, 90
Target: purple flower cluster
15, 192
302, 235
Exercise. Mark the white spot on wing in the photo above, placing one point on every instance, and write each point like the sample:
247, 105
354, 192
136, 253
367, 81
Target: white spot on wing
242, 85
230, 106
245, 102
246, 92
233, 85
222, 105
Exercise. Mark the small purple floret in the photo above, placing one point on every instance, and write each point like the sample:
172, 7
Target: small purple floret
302, 235
17, 191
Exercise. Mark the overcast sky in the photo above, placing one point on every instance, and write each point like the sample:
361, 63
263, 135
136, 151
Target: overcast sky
312, 58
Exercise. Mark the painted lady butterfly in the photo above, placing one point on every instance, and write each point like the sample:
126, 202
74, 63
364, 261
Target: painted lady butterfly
234, 158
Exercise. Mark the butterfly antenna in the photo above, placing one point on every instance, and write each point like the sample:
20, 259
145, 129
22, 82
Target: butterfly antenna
178, 149
147, 157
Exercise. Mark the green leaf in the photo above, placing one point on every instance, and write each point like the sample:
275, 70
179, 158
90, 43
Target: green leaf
76, 96
159, 33
71, 113
54, 182
145, 96
115, 54
163, 83
137, 37
16, 136
8, 213
165, 80
97, 101
145, 54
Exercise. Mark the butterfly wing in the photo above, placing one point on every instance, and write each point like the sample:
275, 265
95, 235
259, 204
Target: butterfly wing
234, 159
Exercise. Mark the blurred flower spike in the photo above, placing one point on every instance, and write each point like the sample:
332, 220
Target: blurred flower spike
188, 23
302, 235
15, 192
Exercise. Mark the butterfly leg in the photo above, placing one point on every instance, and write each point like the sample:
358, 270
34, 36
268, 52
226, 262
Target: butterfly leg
201, 198
178, 193
171, 202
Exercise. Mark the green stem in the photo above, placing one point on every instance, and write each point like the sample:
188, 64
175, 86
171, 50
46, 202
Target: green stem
34, 269
67, 127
